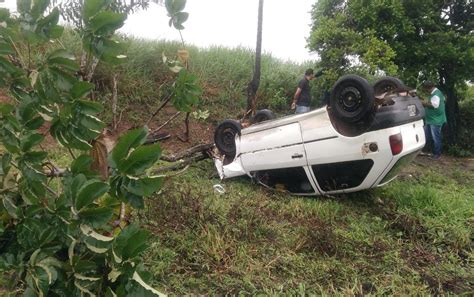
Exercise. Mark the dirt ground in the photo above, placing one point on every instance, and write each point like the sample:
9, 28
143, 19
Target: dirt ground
446, 163
200, 132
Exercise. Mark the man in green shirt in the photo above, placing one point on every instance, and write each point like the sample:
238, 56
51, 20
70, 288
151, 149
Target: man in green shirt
435, 117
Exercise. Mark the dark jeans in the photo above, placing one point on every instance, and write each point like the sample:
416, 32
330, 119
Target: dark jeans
302, 109
433, 134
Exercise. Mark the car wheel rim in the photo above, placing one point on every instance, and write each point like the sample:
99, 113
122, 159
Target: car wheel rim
350, 99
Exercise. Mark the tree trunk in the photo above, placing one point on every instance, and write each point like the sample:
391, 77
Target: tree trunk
255, 83
186, 131
115, 101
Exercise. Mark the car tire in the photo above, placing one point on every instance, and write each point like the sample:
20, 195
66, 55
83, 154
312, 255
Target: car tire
352, 98
224, 136
387, 84
262, 115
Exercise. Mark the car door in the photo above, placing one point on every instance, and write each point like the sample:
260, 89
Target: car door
275, 157
338, 163
342, 163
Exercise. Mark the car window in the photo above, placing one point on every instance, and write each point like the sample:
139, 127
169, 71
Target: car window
293, 180
342, 175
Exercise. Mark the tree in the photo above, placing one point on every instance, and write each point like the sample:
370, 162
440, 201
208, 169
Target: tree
72, 12
57, 238
415, 39
252, 87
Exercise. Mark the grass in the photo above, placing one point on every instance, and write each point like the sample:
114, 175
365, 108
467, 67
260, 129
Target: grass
413, 237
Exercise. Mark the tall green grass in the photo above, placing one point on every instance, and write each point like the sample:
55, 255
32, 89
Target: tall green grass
223, 73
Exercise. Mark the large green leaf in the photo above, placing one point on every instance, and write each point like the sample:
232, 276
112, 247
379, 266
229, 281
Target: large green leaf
30, 141
174, 6
7, 67
92, 123
63, 59
31, 172
141, 159
75, 141
32, 191
46, 235
134, 200
72, 187
6, 165
10, 141
89, 107
142, 288
91, 7
10, 206
47, 23
35, 123
81, 164
27, 111
61, 53
131, 139
90, 191
62, 80
145, 186
106, 22
108, 50
81, 89
96, 216
130, 242
178, 20
34, 157
55, 31
38, 8
85, 266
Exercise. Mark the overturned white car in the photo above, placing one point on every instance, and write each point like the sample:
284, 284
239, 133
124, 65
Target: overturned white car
360, 141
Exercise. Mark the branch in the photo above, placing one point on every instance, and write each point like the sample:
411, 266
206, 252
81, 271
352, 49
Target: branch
160, 107
184, 158
188, 153
181, 164
53, 170
166, 123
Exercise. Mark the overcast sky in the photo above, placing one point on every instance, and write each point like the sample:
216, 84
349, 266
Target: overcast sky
231, 23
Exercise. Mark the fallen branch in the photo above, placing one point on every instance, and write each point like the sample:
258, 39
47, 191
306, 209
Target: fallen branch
183, 159
180, 164
152, 138
189, 152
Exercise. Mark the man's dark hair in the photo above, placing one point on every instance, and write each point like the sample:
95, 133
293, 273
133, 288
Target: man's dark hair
428, 84
309, 71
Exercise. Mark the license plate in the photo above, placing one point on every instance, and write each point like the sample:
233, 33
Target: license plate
412, 110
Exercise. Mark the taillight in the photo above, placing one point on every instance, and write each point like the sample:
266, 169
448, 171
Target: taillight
396, 143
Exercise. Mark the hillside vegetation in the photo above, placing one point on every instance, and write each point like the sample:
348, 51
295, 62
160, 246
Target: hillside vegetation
90, 207
412, 237
223, 73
